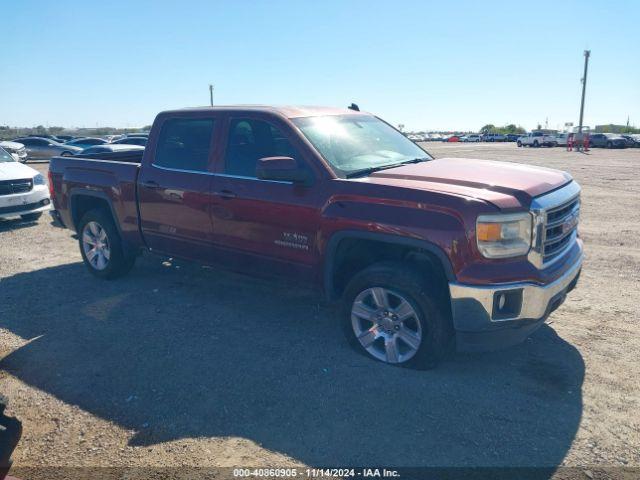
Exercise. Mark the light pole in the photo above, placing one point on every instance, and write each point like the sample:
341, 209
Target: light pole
587, 54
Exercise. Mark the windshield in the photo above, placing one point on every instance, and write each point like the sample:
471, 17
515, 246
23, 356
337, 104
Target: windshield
5, 157
358, 143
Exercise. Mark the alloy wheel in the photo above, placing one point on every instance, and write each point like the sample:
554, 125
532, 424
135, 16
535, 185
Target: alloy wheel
386, 324
95, 244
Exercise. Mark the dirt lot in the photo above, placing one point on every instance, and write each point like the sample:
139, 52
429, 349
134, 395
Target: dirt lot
180, 365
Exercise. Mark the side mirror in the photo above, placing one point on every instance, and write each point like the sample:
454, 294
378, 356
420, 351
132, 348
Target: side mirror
284, 169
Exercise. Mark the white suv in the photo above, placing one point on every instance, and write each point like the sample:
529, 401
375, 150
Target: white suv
537, 139
23, 191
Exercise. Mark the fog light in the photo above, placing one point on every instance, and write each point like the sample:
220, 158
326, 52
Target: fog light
502, 299
507, 304
46, 201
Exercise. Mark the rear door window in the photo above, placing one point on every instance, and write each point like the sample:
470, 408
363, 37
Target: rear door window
185, 144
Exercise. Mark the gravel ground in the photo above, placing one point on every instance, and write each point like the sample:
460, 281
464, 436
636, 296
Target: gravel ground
180, 365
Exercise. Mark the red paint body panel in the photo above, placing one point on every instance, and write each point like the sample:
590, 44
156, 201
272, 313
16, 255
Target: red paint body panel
289, 227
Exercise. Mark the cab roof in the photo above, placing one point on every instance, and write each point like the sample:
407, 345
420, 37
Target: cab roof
288, 111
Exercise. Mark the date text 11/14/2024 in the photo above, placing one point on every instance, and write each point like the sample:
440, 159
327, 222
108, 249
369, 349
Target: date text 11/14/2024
315, 472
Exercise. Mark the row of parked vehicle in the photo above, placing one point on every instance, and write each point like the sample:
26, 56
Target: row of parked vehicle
43, 147
536, 139
599, 140
469, 137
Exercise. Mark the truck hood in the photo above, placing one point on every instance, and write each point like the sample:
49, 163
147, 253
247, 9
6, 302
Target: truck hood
15, 171
506, 185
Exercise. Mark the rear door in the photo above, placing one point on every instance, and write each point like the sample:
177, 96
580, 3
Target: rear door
174, 187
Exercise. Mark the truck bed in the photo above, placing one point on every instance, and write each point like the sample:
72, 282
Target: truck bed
133, 156
107, 177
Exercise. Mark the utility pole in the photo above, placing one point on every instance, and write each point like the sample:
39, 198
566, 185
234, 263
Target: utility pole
211, 94
587, 54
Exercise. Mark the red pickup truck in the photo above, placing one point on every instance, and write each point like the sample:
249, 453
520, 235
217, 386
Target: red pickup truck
422, 252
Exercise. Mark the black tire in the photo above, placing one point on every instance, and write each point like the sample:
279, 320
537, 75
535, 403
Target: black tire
609, 145
519, 143
536, 144
119, 262
425, 295
31, 217
66, 154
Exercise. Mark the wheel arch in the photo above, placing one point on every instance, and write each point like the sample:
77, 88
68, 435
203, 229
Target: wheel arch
372, 247
82, 201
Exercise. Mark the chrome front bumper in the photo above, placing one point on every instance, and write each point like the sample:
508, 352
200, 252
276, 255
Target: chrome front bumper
473, 306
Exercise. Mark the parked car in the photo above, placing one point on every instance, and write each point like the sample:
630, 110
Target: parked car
16, 150
65, 138
44, 148
109, 147
494, 137
561, 139
142, 141
537, 139
513, 137
86, 142
23, 190
340, 198
473, 137
50, 137
633, 141
451, 138
607, 140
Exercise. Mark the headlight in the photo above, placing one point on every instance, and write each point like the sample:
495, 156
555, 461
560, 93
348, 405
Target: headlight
39, 180
504, 235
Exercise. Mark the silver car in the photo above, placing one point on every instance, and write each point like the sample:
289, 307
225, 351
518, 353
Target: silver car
45, 148
16, 150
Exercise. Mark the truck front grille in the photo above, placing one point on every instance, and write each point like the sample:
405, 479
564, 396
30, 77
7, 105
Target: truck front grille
560, 229
9, 187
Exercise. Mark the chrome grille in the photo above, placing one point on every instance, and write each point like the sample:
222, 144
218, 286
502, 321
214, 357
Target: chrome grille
560, 229
9, 187
555, 224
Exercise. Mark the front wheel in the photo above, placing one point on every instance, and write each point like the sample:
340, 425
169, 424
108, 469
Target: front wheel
609, 145
101, 247
393, 314
519, 143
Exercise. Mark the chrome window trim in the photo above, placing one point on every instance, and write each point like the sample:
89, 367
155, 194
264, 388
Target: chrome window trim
539, 208
214, 174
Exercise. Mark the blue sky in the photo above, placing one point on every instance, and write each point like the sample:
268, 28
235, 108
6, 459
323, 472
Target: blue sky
428, 65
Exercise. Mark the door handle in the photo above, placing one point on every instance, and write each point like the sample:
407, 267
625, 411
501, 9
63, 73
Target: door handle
226, 194
151, 184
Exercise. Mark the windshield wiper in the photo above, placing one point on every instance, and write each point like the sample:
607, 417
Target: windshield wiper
370, 170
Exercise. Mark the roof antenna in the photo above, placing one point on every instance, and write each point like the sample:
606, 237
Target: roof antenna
354, 107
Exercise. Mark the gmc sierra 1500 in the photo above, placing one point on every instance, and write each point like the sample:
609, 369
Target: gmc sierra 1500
420, 251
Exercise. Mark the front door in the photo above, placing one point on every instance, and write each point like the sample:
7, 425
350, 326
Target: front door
174, 189
263, 224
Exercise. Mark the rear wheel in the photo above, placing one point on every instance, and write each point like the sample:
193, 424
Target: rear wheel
101, 247
536, 143
609, 145
393, 314
519, 143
